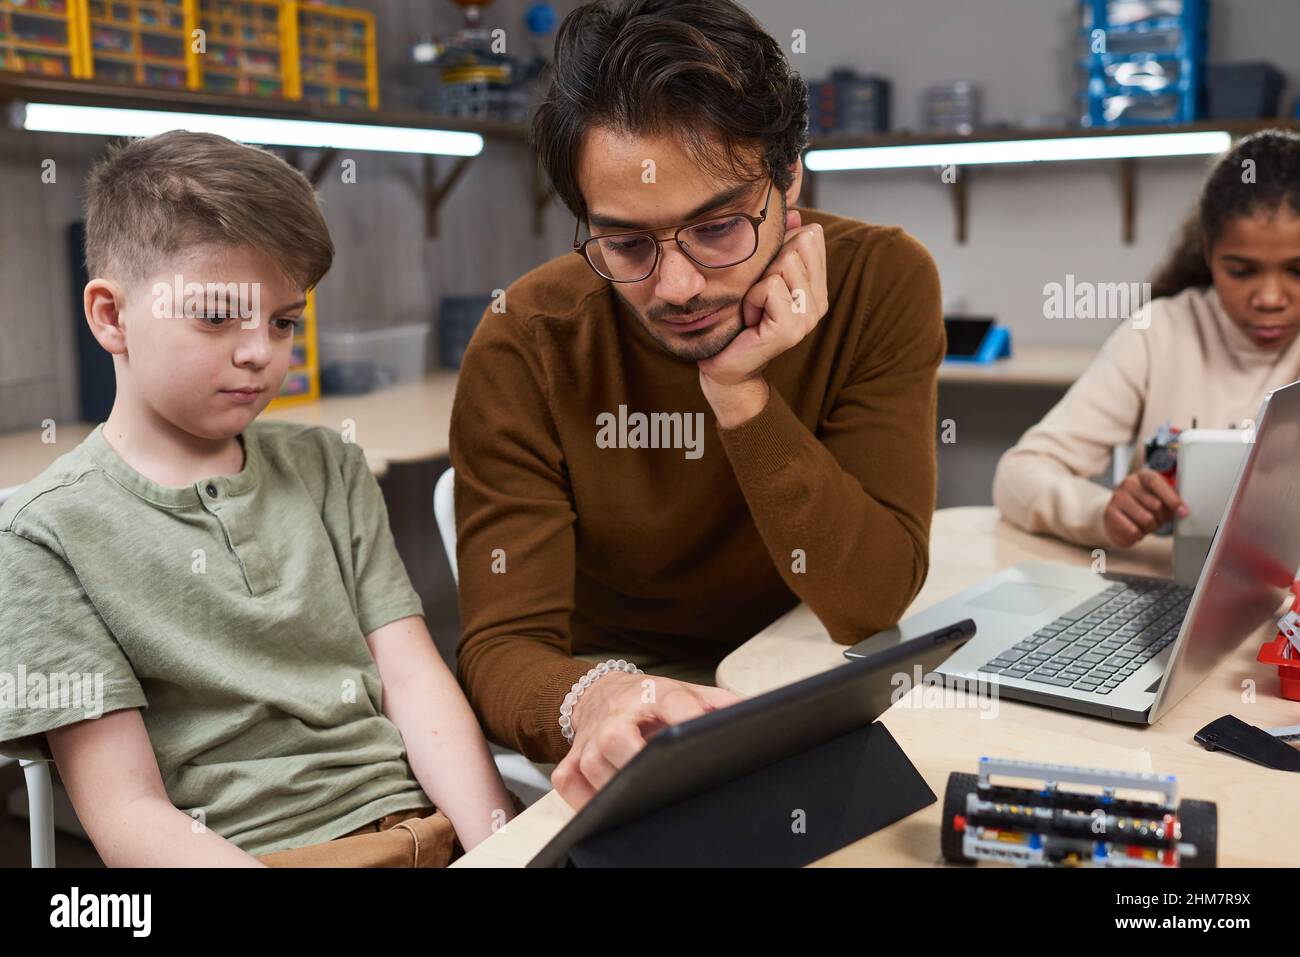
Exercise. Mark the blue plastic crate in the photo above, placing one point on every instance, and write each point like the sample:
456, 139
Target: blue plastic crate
1152, 69
458, 317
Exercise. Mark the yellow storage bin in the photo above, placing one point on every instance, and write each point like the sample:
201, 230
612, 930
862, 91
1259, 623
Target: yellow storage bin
337, 63
142, 42
302, 383
41, 37
249, 47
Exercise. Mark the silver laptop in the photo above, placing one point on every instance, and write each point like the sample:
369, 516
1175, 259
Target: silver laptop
1130, 648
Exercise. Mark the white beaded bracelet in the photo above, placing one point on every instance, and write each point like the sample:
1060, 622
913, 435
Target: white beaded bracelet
585, 682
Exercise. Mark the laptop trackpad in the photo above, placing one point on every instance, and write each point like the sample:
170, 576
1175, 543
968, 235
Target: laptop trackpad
1018, 598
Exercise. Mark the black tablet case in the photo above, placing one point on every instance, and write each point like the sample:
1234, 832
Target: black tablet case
847, 788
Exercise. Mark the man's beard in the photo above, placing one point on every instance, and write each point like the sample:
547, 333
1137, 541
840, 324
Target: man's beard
690, 346
704, 343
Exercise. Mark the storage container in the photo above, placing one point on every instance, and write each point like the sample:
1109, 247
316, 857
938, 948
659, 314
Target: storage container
353, 361
41, 37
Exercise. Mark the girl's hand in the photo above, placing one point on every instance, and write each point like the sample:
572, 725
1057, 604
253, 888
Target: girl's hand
1141, 504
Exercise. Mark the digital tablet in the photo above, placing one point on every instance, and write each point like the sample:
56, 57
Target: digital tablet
689, 758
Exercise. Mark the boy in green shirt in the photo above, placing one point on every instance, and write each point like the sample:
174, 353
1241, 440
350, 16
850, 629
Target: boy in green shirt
204, 616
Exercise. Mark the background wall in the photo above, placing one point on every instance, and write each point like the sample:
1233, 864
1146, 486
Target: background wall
1028, 226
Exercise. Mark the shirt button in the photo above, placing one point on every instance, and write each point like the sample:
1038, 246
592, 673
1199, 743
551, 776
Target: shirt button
212, 490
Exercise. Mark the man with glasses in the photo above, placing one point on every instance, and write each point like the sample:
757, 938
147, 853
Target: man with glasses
722, 406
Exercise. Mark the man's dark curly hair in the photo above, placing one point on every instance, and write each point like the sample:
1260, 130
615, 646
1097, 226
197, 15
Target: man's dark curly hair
704, 70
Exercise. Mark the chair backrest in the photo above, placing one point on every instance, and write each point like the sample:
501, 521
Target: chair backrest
444, 513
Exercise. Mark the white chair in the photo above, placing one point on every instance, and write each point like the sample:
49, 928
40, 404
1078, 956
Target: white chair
530, 781
40, 791
444, 513
40, 811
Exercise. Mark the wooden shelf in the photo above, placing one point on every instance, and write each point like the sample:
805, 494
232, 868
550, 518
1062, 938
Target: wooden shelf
135, 59
245, 45
154, 30
49, 48
225, 69
38, 14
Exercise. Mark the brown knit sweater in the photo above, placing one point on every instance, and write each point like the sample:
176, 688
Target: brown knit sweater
573, 540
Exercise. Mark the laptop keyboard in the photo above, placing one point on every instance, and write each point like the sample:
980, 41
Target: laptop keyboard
1097, 645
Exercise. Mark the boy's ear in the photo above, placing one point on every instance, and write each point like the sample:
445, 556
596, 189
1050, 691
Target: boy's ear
103, 301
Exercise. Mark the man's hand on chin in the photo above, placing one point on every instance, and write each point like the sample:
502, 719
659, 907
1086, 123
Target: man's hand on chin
778, 311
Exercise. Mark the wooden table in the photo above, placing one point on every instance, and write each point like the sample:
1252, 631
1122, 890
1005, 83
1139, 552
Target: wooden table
405, 423
25, 455
967, 545
1029, 365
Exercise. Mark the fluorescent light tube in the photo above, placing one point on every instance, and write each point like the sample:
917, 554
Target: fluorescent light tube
1019, 151
266, 131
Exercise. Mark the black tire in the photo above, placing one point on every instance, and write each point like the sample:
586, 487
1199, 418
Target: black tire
954, 803
1200, 825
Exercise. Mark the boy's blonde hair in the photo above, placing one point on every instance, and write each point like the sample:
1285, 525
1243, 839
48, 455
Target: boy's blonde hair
149, 199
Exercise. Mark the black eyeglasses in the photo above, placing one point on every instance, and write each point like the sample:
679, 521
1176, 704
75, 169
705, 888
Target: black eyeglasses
714, 243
